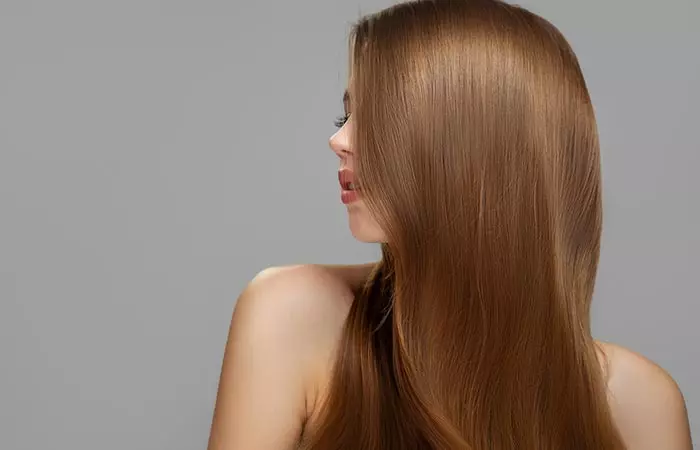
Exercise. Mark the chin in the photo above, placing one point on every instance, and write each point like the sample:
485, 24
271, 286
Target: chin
363, 227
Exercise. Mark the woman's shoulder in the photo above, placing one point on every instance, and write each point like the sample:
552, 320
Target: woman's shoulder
307, 296
646, 402
311, 289
283, 334
306, 304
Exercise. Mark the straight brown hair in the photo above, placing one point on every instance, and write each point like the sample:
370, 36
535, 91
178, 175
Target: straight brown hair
477, 152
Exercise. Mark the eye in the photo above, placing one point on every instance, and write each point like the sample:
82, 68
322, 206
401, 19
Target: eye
341, 120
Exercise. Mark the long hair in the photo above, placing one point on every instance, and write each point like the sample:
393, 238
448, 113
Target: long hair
477, 152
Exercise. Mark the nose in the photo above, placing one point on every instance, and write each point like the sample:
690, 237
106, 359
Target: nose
340, 143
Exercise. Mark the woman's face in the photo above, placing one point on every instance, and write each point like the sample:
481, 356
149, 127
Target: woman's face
362, 225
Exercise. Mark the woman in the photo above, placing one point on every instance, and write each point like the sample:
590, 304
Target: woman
469, 150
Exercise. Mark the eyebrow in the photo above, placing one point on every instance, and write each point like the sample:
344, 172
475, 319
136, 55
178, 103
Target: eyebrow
346, 100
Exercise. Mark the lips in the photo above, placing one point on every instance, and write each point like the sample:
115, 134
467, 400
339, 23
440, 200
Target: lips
346, 177
348, 190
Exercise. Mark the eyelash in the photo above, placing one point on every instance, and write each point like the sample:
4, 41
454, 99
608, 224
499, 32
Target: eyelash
340, 121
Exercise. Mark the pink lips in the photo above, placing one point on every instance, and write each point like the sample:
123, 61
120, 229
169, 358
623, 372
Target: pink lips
347, 195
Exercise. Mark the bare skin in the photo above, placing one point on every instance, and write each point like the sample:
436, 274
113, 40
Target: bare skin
283, 338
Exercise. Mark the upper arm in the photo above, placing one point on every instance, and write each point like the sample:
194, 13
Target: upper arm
275, 338
647, 404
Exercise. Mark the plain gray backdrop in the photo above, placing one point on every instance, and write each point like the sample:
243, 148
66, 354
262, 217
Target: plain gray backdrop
154, 156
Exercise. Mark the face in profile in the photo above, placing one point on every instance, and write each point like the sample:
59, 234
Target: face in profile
363, 226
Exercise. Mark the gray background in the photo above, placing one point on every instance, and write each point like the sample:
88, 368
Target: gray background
155, 155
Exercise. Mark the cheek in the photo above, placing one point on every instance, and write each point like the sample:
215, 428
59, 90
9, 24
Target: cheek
363, 226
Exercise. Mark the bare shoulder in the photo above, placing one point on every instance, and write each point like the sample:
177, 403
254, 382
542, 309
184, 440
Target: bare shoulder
304, 305
284, 329
303, 297
308, 305
646, 402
